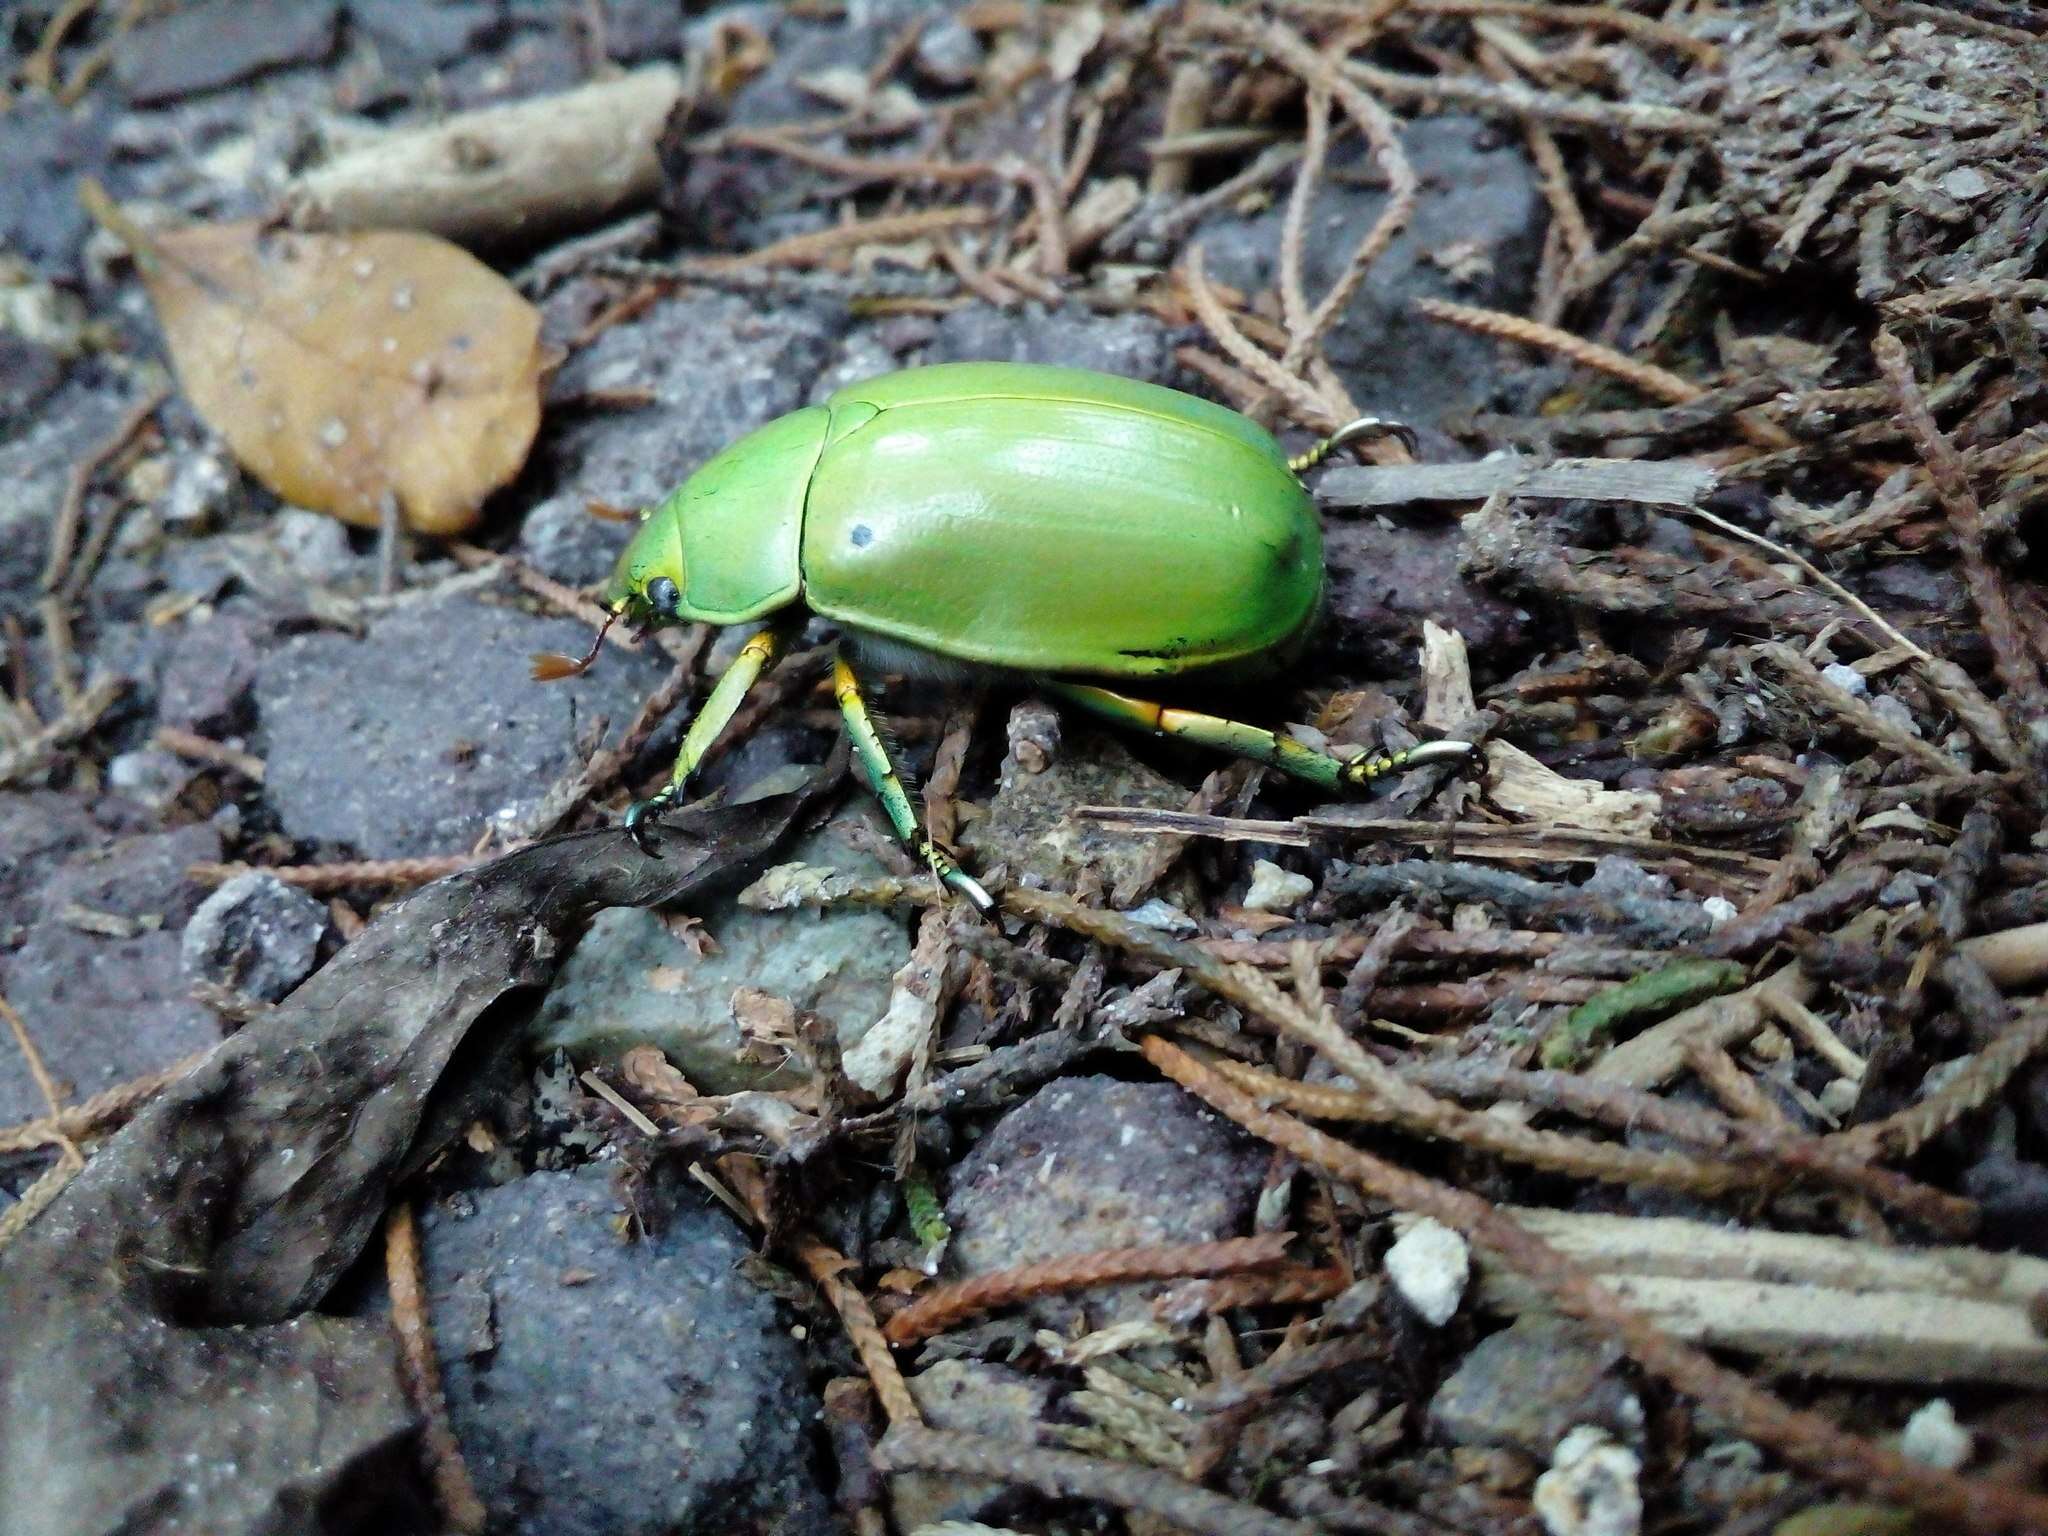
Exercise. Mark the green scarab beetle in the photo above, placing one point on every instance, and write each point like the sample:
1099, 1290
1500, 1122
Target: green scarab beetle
1077, 527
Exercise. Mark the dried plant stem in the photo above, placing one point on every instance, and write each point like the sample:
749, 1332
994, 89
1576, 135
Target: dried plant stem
324, 879
71, 511
1308, 406
97, 1113
203, 749
1073, 1475
938, 1310
810, 250
827, 1268
1969, 1088
454, 1493
36, 1199
1803, 1438
2011, 659
43, 748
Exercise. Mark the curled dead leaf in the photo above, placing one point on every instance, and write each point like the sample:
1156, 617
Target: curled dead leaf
342, 369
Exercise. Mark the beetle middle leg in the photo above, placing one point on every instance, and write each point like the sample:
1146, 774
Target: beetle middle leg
1289, 756
754, 658
874, 761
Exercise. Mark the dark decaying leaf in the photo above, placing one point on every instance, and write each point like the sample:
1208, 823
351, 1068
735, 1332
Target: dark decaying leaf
158, 1347
345, 368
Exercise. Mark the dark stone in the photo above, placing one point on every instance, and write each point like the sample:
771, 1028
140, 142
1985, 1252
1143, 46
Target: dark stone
561, 538
210, 674
719, 366
1481, 212
102, 1008
29, 372
619, 1387
34, 466
1091, 1162
48, 149
255, 934
1386, 577
38, 829
1526, 1386
204, 47
408, 32
2013, 1197
1131, 344
411, 740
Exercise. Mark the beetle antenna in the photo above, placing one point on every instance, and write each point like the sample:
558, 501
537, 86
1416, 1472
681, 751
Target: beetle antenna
548, 666
1362, 430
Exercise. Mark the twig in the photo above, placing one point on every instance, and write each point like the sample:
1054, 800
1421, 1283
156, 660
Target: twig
71, 511
454, 1493
1802, 1437
97, 1113
1072, 1475
43, 748
1520, 101
203, 749
1976, 1082
827, 1269
324, 879
941, 1309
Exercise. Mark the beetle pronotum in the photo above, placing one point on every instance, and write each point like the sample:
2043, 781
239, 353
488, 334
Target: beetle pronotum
1077, 527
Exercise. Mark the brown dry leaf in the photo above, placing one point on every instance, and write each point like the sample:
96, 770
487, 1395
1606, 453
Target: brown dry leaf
344, 368
768, 1026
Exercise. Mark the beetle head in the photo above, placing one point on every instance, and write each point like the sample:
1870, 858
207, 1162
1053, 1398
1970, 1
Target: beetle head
646, 590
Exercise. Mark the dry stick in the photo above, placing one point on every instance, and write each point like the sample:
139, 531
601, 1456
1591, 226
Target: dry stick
1373, 120
204, 749
1971, 1086
325, 879
46, 1085
78, 719
1307, 405
1803, 1438
1604, 18
1294, 306
453, 1491
97, 1113
36, 1199
1520, 101
940, 1309
827, 1268
808, 250
71, 512
564, 599
1076, 1475
2010, 658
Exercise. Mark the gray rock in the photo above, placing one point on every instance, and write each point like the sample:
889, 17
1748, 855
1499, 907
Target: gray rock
1387, 576
1028, 829
1088, 1163
38, 828
204, 47
1525, 1387
209, 673
49, 149
255, 934
2013, 1193
34, 465
978, 1399
411, 740
315, 545
561, 538
428, 36
632, 982
106, 1008
718, 365
1481, 213
617, 1387
1132, 344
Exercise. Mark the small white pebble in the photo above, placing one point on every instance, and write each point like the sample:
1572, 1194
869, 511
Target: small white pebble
1162, 915
1718, 909
1275, 889
1429, 1267
1933, 1438
1590, 1489
1846, 678
1839, 1097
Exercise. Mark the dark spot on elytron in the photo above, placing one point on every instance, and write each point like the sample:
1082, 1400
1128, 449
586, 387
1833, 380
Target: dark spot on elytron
863, 535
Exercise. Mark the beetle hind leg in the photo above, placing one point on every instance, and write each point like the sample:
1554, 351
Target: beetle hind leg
1335, 774
873, 753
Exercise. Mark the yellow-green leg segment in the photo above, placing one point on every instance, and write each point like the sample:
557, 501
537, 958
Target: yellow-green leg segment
881, 775
1289, 756
754, 658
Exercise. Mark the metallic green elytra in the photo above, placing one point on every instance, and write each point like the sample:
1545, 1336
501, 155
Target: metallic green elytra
1078, 527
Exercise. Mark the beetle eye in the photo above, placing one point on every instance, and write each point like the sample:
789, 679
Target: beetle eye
663, 597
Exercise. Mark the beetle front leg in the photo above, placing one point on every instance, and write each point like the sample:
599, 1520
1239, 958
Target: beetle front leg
1334, 774
754, 658
881, 773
